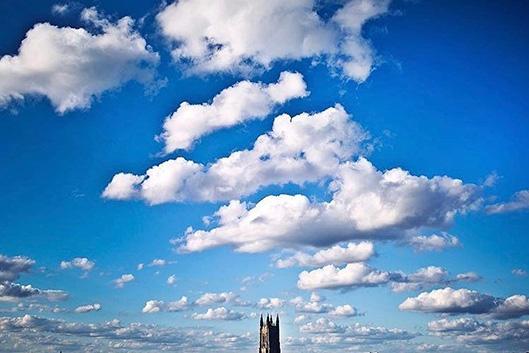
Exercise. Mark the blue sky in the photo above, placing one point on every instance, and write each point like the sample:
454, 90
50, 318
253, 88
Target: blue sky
395, 191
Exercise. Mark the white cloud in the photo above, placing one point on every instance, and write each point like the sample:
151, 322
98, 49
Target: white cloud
450, 300
219, 314
345, 310
155, 306
158, 263
113, 335
88, 308
234, 105
239, 35
519, 201
171, 280
299, 149
354, 333
520, 272
125, 278
71, 66
270, 303
317, 305
140, 266
468, 277
366, 204
81, 263
434, 242
60, 9
350, 276
12, 267
336, 255
423, 277
505, 336
216, 298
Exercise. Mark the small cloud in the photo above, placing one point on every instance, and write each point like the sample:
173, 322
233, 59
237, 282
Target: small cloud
81, 263
171, 280
88, 308
125, 278
519, 272
60, 9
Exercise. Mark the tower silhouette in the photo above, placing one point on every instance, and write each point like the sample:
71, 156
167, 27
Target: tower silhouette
269, 335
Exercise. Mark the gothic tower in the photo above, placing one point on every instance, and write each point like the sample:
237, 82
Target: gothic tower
269, 335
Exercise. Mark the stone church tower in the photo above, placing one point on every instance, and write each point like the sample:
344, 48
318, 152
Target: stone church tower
269, 335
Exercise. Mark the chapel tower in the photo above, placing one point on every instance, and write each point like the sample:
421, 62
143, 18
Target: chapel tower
269, 335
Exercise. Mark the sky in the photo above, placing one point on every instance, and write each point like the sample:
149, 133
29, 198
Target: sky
171, 171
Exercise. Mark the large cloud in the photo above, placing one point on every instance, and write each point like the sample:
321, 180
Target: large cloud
12, 267
299, 149
240, 35
366, 204
455, 301
241, 102
70, 66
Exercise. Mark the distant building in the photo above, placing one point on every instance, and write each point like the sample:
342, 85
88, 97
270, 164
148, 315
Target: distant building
269, 335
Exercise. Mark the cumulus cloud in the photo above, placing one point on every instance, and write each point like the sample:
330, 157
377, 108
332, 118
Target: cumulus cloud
81, 263
366, 204
356, 332
216, 298
351, 276
317, 305
10, 291
113, 335
345, 310
12, 267
155, 306
434, 242
242, 35
234, 105
270, 303
88, 308
519, 201
219, 314
299, 149
423, 277
468, 277
457, 301
507, 336
125, 278
353, 252
71, 66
